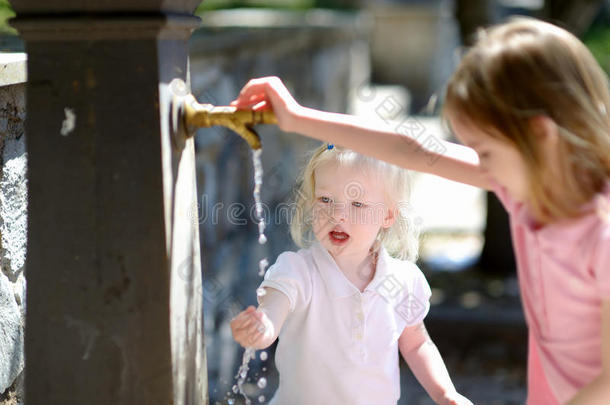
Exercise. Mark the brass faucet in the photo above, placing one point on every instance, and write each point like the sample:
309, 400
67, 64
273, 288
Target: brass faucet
188, 115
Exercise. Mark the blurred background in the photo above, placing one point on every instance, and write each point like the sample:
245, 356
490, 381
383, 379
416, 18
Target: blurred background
388, 61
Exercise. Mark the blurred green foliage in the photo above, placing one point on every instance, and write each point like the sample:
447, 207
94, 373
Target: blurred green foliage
598, 41
6, 12
208, 5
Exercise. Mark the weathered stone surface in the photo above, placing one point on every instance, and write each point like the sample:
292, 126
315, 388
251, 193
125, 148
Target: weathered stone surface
11, 335
13, 205
13, 217
13, 70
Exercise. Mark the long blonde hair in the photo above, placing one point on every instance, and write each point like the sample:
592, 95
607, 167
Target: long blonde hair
527, 68
401, 240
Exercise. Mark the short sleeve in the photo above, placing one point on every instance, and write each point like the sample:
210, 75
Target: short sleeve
290, 275
601, 263
415, 302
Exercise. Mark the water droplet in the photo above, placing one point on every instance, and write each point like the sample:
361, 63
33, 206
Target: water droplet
235, 389
243, 374
261, 291
230, 401
261, 398
263, 356
262, 239
264, 368
262, 265
262, 383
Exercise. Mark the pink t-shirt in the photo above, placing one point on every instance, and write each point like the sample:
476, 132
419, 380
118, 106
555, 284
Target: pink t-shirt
564, 274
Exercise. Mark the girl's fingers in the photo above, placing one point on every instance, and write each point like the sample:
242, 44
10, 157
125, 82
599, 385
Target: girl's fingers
243, 316
270, 88
249, 337
256, 327
253, 323
253, 338
255, 97
244, 325
254, 87
260, 106
247, 328
247, 323
253, 101
238, 320
268, 93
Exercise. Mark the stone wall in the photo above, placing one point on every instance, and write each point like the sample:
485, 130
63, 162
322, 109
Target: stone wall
13, 225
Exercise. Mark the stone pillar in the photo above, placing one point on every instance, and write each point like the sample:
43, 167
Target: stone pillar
114, 280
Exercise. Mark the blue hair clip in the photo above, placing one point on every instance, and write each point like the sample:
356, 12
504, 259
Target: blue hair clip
330, 146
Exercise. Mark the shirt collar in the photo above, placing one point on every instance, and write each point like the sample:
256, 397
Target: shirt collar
337, 284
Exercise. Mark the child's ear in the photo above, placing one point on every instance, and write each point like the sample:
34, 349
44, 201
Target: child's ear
545, 129
390, 217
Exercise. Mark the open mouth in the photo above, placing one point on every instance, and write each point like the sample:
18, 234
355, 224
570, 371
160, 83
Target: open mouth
338, 237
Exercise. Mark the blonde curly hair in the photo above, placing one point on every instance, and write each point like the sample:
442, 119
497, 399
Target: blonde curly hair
401, 239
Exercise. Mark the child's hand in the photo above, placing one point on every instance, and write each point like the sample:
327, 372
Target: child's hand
249, 327
453, 398
269, 93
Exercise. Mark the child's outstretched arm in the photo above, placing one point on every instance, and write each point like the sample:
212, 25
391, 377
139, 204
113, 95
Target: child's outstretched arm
425, 361
598, 391
258, 328
456, 162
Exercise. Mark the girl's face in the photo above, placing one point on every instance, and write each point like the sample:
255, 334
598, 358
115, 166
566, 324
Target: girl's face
499, 159
349, 210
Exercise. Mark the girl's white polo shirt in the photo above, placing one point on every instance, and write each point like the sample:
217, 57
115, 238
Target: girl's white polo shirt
339, 345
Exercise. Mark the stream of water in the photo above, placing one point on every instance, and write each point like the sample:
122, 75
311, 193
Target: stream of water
249, 353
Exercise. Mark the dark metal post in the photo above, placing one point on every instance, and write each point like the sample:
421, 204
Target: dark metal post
114, 308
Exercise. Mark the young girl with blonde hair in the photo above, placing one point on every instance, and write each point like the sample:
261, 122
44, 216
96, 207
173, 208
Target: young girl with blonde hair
351, 297
532, 102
